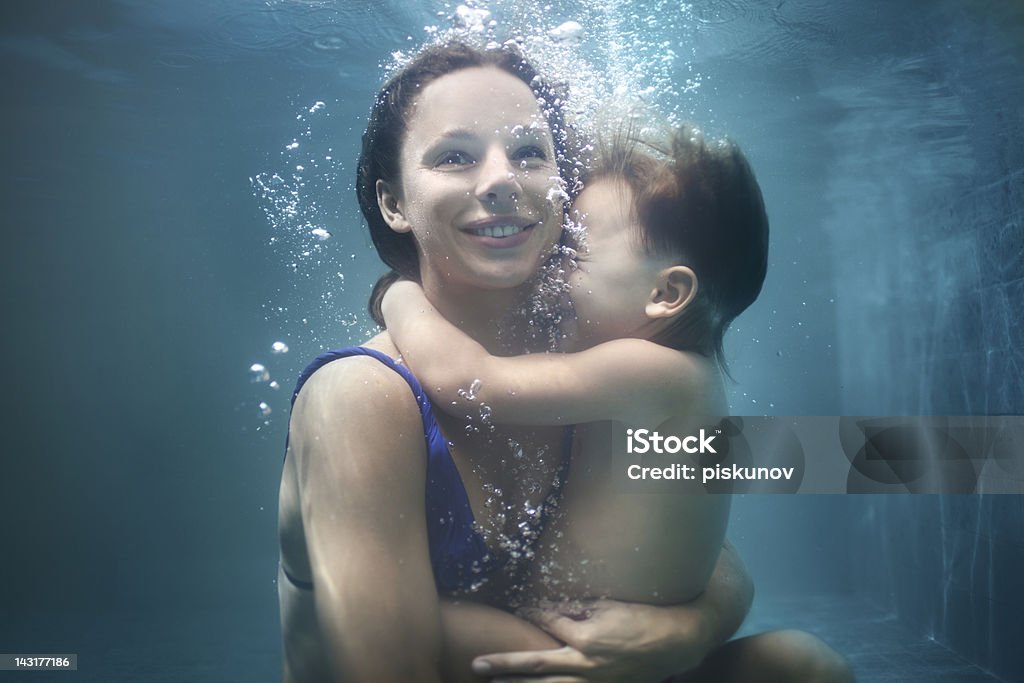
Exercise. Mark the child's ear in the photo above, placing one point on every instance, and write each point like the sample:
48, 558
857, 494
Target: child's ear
675, 288
391, 208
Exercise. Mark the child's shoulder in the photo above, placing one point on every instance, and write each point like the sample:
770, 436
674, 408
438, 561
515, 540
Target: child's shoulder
671, 376
642, 352
707, 385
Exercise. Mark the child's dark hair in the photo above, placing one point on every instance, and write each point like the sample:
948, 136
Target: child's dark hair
698, 201
385, 132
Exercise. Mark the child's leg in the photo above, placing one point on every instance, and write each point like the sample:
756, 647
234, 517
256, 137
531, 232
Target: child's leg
773, 657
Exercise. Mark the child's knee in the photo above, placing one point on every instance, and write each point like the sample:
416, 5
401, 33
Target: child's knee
806, 658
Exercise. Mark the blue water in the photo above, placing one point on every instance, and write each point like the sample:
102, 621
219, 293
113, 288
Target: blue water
140, 282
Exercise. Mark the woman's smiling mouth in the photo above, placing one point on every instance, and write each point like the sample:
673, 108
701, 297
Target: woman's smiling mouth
500, 230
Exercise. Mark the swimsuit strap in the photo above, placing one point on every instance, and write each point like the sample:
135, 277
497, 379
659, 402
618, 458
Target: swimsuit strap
298, 583
458, 554
414, 384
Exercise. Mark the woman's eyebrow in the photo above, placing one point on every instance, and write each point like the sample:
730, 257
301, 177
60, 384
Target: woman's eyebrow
458, 134
521, 130
446, 138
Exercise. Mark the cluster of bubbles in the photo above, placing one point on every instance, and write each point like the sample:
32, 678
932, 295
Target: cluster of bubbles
515, 522
293, 198
306, 205
259, 374
548, 311
619, 57
286, 197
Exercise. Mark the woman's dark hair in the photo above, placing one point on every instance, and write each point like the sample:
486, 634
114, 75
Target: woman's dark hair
701, 203
385, 133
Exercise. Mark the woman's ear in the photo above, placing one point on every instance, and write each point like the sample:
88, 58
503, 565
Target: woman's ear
390, 208
675, 288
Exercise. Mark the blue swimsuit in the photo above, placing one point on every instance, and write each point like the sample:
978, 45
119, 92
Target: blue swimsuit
458, 554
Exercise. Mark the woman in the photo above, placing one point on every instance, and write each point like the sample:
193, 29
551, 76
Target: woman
362, 563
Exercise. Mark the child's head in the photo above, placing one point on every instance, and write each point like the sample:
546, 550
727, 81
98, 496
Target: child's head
675, 247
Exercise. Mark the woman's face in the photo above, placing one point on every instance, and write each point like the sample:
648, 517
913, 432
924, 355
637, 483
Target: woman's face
477, 171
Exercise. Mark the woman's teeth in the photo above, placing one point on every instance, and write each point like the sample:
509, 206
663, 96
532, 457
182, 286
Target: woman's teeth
498, 230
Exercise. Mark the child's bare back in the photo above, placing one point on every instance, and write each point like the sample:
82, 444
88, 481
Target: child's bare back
611, 539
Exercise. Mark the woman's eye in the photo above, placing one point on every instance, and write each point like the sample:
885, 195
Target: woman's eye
531, 152
454, 158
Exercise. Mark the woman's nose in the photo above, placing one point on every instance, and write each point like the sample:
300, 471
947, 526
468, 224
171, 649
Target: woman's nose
498, 182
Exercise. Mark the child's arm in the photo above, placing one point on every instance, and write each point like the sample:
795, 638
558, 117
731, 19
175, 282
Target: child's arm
632, 380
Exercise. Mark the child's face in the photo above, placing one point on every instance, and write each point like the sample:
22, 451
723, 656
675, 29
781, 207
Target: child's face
615, 277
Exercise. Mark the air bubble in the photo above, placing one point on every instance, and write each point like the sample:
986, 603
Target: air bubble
557, 194
516, 448
471, 19
258, 373
279, 347
265, 409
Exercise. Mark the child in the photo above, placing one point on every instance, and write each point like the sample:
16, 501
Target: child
673, 250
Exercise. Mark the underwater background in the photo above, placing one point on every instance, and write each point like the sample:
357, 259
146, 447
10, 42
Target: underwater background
159, 236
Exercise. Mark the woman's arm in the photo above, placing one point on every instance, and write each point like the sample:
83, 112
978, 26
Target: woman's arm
630, 641
471, 629
632, 380
355, 436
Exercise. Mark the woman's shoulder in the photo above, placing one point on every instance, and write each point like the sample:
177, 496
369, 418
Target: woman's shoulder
359, 378
353, 421
332, 370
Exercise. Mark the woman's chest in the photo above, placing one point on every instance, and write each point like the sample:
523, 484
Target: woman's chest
509, 474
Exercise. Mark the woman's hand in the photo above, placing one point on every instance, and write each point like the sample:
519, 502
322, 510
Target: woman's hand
606, 641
